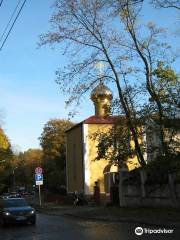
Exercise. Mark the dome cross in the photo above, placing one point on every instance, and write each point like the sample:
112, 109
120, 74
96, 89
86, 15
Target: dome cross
100, 66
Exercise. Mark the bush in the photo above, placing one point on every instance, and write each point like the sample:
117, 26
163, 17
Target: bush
158, 170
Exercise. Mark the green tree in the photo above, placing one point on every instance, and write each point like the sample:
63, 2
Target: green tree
167, 85
114, 145
150, 50
53, 143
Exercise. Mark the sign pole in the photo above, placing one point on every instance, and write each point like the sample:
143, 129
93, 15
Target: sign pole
39, 180
39, 195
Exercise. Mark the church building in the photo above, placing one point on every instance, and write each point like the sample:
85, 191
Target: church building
81, 167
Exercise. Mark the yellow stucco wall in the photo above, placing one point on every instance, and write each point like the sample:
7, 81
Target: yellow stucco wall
74, 160
97, 167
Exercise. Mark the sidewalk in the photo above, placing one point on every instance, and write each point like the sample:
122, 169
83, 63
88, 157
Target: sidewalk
150, 216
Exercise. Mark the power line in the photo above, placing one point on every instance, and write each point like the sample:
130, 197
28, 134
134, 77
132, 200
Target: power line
9, 21
1, 2
13, 24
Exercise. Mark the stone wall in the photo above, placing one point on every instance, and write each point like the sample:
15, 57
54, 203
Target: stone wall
143, 194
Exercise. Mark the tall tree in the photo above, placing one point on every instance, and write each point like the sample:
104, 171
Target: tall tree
24, 166
4, 144
87, 29
148, 48
5, 161
53, 143
92, 33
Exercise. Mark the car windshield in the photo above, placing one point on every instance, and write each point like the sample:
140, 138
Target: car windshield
15, 203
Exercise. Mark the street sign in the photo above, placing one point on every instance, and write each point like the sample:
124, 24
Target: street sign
39, 179
38, 170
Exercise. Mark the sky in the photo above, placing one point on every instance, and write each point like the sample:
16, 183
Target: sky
29, 96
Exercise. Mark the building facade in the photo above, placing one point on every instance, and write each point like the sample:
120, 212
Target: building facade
81, 167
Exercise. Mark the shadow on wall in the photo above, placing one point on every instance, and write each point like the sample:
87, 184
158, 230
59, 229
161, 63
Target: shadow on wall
137, 189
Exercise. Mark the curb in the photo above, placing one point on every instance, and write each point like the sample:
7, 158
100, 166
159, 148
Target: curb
121, 220
125, 220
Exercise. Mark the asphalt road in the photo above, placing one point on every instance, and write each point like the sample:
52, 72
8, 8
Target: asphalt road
51, 227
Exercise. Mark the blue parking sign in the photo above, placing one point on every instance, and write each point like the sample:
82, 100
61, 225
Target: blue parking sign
39, 179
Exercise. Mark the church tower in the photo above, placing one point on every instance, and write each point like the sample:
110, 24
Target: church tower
102, 97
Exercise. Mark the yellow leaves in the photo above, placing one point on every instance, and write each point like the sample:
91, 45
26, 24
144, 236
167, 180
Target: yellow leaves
4, 143
52, 138
124, 13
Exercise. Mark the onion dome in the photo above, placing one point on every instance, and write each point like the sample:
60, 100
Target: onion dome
102, 96
101, 91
